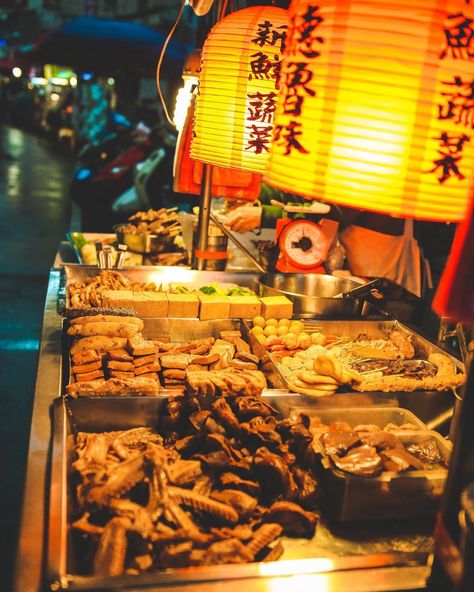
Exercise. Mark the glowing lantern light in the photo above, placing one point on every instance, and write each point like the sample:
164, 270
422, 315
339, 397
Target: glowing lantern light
376, 108
237, 89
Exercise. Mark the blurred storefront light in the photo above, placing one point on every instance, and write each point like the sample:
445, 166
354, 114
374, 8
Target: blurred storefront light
17, 72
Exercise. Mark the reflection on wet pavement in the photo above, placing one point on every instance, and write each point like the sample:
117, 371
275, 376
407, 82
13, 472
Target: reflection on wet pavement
34, 215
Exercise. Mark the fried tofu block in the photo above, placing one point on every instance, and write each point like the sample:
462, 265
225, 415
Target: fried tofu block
150, 304
183, 306
118, 299
276, 307
213, 306
244, 307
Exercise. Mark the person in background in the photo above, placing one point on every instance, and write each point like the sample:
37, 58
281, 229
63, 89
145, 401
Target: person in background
376, 245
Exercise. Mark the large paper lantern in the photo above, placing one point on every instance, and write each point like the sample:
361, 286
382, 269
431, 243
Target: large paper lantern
238, 82
376, 106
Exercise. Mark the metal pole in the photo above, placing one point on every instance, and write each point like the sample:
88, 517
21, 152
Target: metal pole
206, 186
204, 213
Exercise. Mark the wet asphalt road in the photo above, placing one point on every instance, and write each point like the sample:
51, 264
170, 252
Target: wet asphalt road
34, 215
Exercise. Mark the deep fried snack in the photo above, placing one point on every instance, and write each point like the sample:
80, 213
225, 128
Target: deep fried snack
137, 385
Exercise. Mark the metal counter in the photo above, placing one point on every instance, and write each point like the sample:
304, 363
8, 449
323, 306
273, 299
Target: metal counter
390, 573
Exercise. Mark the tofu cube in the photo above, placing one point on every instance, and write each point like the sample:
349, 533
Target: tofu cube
118, 299
150, 304
244, 307
213, 306
276, 307
183, 306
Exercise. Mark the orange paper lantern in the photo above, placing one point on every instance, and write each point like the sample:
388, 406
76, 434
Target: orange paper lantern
376, 106
240, 64
228, 183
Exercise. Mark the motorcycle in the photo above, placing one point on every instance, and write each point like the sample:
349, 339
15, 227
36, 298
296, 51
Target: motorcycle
108, 173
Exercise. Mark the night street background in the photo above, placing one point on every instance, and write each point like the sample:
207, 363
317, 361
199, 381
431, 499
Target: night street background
34, 216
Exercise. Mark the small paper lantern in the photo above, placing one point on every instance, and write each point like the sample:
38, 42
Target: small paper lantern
376, 106
240, 65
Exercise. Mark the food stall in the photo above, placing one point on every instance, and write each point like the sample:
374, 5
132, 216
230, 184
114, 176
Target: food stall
201, 429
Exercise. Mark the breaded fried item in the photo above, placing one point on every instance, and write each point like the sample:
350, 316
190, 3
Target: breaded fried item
121, 374
403, 343
123, 366
228, 382
86, 376
154, 367
81, 369
85, 357
108, 328
138, 346
120, 355
144, 360
114, 386
98, 342
106, 318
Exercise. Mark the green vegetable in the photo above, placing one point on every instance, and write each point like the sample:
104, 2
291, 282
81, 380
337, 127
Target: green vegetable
78, 240
212, 289
239, 291
183, 290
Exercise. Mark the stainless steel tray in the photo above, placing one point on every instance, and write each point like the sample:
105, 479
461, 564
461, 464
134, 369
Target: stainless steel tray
332, 549
428, 405
160, 275
350, 498
177, 330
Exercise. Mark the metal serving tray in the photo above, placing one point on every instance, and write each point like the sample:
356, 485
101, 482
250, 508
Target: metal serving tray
360, 547
176, 330
391, 495
425, 404
160, 275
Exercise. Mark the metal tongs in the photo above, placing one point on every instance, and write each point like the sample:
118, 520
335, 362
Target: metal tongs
361, 290
105, 256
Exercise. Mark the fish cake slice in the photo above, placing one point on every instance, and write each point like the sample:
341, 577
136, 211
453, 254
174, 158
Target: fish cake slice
85, 357
83, 368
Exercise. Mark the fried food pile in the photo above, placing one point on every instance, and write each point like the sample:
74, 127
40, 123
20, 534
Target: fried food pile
110, 351
368, 450
220, 484
163, 221
91, 291
362, 364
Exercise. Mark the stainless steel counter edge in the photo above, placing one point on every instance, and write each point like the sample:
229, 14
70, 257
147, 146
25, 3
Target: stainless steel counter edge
31, 544
30, 562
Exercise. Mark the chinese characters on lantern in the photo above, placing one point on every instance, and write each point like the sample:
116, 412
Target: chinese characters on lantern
456, 104
264, 64
305, 42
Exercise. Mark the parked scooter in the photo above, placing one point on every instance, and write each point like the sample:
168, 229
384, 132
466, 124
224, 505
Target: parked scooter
153, 182
96, 191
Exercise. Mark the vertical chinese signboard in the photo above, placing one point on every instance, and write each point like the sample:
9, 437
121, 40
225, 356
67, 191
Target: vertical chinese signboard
238, 87
376, 106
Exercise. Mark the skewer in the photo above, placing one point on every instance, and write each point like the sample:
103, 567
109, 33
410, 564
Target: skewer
377, 370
